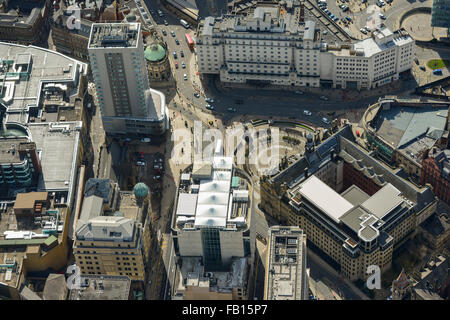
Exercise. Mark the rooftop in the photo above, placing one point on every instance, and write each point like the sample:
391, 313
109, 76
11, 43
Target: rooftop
26, 70
286, 277
102, 288
9, 150
55, 287
324, 197
114, 35
105, 228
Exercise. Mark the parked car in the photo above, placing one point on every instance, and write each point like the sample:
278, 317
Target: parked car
423, 68
164, 32
325, 120
307, 112
210, 100
185, 77
160, 13
416, 61
437, 72
172, 33
166, 23
174, 54
140, 163
335, 19
323, 98
183, 65
231, 109
299, 92
181, 53
348, 19
177, 42
196, 95
176, 64
146, 140
209, 107
363, 30
382, 16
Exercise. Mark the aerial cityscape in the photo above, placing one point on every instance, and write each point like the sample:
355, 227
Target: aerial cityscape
242, 150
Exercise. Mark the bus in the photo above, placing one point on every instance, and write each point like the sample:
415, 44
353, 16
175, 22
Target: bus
184, 24
189, 41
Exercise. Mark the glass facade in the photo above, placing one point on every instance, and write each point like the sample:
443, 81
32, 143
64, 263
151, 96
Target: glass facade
211, 249
440, 14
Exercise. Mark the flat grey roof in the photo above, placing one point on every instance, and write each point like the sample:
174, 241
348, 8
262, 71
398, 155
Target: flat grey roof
58, 153
114, 35
114, 288
384, 201
355, 195
9, 149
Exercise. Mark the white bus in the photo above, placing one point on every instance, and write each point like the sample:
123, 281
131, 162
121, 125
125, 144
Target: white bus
184, 24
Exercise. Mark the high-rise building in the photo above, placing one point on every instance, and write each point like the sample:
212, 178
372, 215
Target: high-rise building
440, 14
286, 277
127, 104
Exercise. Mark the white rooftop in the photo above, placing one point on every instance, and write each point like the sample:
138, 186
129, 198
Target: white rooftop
384, 201
187, 203
325, 198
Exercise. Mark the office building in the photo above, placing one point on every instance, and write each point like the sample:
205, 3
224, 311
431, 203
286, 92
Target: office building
286, 277
402, 131
127, 103
353, 208
212, 220
289, 46
95, 287
108, 245
436, 172
193, 283
24, 22
440, 14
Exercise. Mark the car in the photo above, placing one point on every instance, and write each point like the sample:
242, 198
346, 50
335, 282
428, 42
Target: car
127, 140
335, 19
363, 30
176, 64
186, 124
177, 42
172, 33
182, 53
140, 163
157, 177
379, 4
145, 140
437, 72
345, 8
152, 11
299, 92
196, 95
382, 16
174, 54
367, 29
343, 20
166, 23
231, 109
209, 107
307, 112
325, 120
363, 1
416, 61
348, 19
323, 98
164, 32
160, 13
329, 13
183, 65
423, 68
210, 100
185, 77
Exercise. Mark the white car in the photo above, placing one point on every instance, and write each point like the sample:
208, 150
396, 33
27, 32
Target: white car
382, 16
299, 92
145, 140
183, 65
363, 30
326, 121
323, 98
185, 76
210, 100
307, 112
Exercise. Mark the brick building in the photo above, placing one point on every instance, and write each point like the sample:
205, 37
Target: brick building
436, 172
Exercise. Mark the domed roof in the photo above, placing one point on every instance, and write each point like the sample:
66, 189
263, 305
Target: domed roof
140, 190
155, 52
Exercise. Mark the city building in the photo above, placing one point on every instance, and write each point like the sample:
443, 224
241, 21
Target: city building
193, 283
402, 286
437, 230
111, 240
436, 172
70, 40
434, 277
353, 208
402, 131
55, 287
24, 22
211, 220
157, 62
286, 277
288, 45
440, 14
95, 287
127, 103
32, 243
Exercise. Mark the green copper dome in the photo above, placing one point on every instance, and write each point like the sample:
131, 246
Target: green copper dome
140, 190
155, 52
